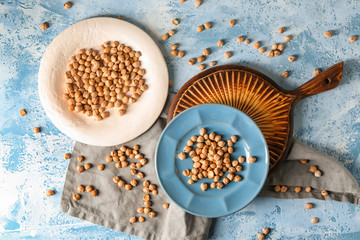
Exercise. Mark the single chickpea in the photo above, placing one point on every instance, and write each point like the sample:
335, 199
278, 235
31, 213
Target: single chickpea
141, 219
140, 175
227, 54
226, 181
328, 34
44, 26
256, 45
281, 47
285, 74
317, 173
76, 196
181, 54
291, 58
22, 112
281, 30
191, 61
152, 187
146, 183
297, 189
94, 193
324, 193
204, 187
200, 59
270, 53
165, 205
140, 210
241, 159
308, 206
81, 188
174, 53
262, 50
175, 22
277, 53
232, 22
316, 72
146, 197
147, 210
171, 33
314, 220
152, 214
219, 185
165, 37
67, 5
133, 183
200, 28
352, 39
220, 43
80, 158
240, 39
133, 172
154, 192
147, 203
251, 160
67, 155
128, 187
121, 183
313, 169
277, 188
80, 169
304, 161
174, 47
274, 46
206, 52
87, 166
36, 130
283, 188
201, 67
247, 41
88, 188
132, 220
116, 179
49, 193
266, 231
287, 38
191, 181
207, 25
212, 63
308, 189
261, 236
182, 156
197, 3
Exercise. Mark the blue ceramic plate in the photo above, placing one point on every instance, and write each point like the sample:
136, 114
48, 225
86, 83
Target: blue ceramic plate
225, 121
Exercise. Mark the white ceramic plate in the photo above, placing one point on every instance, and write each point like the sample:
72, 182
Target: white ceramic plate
91, 33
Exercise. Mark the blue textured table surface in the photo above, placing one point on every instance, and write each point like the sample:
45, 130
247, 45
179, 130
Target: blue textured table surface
330, 122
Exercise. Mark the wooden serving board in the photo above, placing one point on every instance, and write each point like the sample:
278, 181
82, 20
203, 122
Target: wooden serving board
252, 92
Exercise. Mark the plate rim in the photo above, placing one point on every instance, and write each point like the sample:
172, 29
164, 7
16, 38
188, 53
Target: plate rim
67, 131
267, 159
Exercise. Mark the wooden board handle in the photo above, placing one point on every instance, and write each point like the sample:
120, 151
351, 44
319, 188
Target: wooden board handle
325, 81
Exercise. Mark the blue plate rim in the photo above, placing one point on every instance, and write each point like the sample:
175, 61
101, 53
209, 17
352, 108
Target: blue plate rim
180, 114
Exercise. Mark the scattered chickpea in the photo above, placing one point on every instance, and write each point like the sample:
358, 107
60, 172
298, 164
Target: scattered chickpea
154, 192
281, 30
181, 54
80, 158
140, 175
140, 210
49, 193
227, 54
201, 67
200, 59
251, 160
240, 39
191, 181
152, 214
220, 43
283, 188
87, 166
94, 193
314, 220
121, 183
304, 161
182, 156
277, 188
274, 46
133, 183
175, 22
207, 25
281, 47
247, 41
191, 61
67, 155
174, 47
88, 188
352, 39
76, 196
165, 37
182, 1
287, 38
317, 173
308, 189
206, 52
36, 130
147, 203
316, 72
101, 167
256, 45
262, 50
241, 159
204, 187
128, 187
141, 219
44, 26
328, 34
174, 53
219, 185
270, 53
308, 206
297, 189
277, 53
146, 183
261, 236
22, 112
324, 193
132, 220
81, 188
212, 63
80, 169
266, 231
171, 33
232, 23
313, 169
291, 58
147, 210
67, 5
120, 18
285, 74
200, 28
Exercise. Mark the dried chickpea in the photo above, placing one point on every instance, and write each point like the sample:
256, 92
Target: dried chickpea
207, 25
76, 196
304, 161
314, 220
88, 188
261, 236
128, 187
201, 67
81, 188
182, 156
206, 52
146, 183
247, 41
274, 46
141, 219
281, 47
240, 39
121, 183
204, 187
44, 26
297, 189
237, 178
140, 210
140, 175
22, 112
171, 33
251, 159
165, 37
200, 59
283, 188
36, 130
262, 50
67, 5
270, 53
285, 74
266, 231
277, 53
94, 193
219, 185
67, 155
324, 193
80, 169
174, 47
191, 61
328, 34
154, 192
147, 203
152, 187
316, 72
308, 189
220, 43
174, 53
152, 214
256, 45
227, 54
277, 188
87, 166
191, 181
352, 39
313, 169
132, 220
212, 63
175, 21
147, 210
317, 173
291, 58
165, 205
281, 30
133, 183
241, 159
287, 38
49, 193
232, 22
80, 158
116, 179
200, 28
308, 206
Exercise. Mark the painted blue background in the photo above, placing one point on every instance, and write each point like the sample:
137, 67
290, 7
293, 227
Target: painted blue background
31, 164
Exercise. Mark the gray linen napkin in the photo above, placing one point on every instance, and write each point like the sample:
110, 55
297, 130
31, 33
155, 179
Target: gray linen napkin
113, 207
